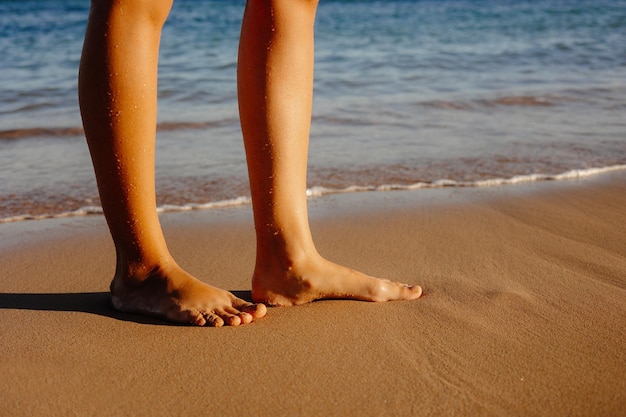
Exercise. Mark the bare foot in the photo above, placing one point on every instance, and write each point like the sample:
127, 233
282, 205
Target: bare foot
171, 293
316, 278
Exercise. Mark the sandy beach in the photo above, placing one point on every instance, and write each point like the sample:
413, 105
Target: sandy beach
524, 313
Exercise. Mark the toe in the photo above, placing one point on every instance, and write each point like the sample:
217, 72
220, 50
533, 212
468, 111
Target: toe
416, 291
386, 290
243, 316
256, 311
213, 320
411, 292
193, 317
229, 318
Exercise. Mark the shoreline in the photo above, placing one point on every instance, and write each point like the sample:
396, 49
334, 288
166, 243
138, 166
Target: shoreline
454, 193
321, 191
524, 312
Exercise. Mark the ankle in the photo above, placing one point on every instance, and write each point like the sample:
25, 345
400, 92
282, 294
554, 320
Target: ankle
138, 270
284, 252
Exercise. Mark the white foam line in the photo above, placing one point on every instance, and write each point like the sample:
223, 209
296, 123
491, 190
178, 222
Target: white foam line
320, 191
84, 211
492, 182
204, 206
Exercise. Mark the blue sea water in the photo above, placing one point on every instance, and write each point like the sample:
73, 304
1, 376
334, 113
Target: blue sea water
408, 94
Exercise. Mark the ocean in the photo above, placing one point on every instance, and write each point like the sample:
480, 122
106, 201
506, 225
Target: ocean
409, 94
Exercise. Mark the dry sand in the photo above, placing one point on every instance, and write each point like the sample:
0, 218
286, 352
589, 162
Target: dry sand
524, 313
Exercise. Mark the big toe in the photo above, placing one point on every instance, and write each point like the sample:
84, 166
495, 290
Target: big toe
388, 290
415, 291
404, 291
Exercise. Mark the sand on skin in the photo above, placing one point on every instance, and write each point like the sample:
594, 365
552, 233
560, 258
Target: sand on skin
525, 313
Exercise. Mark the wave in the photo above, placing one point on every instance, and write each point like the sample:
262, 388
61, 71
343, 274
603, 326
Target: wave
571, 95
318, 191
40, 132
65, 132
506, 101
585, 94
492, 182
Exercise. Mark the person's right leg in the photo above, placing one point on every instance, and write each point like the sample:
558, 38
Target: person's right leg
275, 83
118, 95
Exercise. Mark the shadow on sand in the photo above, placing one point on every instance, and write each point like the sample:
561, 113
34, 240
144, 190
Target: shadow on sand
86, 302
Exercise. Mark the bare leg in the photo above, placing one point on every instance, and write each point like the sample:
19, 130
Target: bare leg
118, 94
275, 83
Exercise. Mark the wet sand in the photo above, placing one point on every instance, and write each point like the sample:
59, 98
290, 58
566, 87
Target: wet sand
524, 313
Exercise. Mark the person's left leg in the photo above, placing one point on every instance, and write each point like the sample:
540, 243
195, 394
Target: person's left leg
275, 84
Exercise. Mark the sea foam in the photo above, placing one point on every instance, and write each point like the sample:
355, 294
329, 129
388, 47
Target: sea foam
318, 191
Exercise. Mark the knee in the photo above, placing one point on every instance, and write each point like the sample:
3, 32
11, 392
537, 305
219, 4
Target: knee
304, 3
273, 4
154, 11
309, 3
